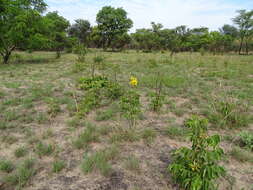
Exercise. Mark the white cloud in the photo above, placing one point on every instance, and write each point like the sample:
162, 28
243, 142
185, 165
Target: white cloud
170, 13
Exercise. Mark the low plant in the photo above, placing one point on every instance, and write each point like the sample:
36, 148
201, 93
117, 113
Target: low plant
6, 166
21, 176
20, 152
246, 140
91, 100
130, 106
58, 166
44, 149
100, 161
157, 98
197, 168
241, 155
228, 113
89, 135
132, 164
148, 135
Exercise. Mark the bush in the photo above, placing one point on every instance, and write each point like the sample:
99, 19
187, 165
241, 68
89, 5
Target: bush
246, 140
197, 168
130, 106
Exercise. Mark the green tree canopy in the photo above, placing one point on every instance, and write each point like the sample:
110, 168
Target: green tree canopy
20, 25
112, 22
56, 31
81, 30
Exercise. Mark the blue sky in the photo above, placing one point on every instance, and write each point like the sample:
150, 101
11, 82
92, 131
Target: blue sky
171, 13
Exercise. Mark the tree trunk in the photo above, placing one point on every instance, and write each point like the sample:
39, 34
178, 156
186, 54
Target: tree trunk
6, 57
6, 54
247, 49
241, 43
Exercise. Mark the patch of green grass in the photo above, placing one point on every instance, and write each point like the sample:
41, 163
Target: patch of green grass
132, 164
44, 149
125, 135
241, 154
228, 114
148, 135
100, 161
176, 132
20, 152
6, 166
22, 175
104, 115
89, 135
58, 166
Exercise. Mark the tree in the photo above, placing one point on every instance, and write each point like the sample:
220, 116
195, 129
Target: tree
57, 31
244, 21
111, 23
20, 24
81, 30
230, 30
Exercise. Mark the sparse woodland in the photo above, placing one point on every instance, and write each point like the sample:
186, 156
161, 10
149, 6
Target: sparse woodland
97, 107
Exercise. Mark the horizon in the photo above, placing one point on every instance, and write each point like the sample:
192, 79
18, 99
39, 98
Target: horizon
192, 13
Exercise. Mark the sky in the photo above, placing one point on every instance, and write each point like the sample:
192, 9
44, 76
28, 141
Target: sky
171, 13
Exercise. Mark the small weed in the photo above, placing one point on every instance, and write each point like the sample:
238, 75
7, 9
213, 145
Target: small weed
100, 161
6, 166
20, 152
241, 154
148, 135
132, 164
89, 135
44, 149
22, 174
58, 165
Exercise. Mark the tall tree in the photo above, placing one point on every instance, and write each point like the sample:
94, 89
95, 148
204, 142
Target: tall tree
20, 24
111, 23
57, 31
244, 21
81, 30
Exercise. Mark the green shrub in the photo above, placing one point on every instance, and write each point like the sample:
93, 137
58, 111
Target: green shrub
228, 114
97, 82
90, 101
246, 140
197, 168
130, 106
20, 152
100, 161
6, 166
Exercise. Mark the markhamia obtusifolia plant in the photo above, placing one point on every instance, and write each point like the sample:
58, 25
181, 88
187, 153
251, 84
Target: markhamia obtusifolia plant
197, 168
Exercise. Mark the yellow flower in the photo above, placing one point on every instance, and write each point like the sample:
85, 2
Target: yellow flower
194, 166
133, 81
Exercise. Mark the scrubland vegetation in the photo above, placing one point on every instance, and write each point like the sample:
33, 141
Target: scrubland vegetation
157, 109
76, 130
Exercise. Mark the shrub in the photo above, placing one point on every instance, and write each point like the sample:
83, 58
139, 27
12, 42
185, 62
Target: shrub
20, 152
97, 82
229, 114
6, 166
197, 168
130, 106
91, 100
246, 140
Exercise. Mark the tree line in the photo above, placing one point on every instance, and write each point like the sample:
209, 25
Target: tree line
25, 26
